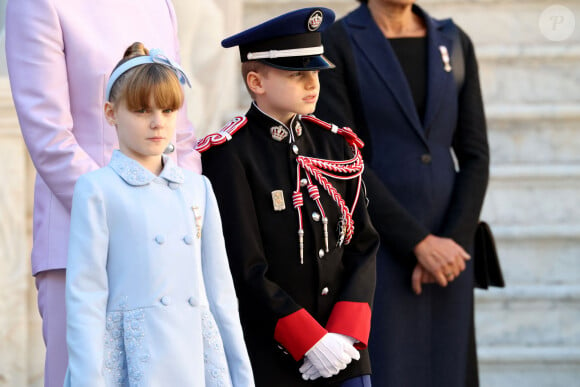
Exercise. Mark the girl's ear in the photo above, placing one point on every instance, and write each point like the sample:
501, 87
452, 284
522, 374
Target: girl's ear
110, 114
255, 84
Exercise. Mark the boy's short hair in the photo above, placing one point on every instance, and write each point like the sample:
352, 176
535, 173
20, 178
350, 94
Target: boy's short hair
255, 66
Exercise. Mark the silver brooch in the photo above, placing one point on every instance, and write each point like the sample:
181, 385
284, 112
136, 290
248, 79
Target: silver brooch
198, 221
445, 58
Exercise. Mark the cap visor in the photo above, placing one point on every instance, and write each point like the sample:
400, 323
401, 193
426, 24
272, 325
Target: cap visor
316, 62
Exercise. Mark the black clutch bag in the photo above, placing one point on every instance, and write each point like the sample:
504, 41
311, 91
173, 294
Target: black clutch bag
486, 263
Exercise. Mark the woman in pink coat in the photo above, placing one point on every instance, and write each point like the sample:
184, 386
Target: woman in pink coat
60, 55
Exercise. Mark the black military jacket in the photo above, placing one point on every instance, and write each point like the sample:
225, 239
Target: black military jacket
286, 306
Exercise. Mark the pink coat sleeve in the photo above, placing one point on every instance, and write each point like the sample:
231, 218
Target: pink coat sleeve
38, 78
187, 156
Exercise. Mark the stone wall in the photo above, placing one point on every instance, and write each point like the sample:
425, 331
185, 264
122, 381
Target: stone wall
22, 349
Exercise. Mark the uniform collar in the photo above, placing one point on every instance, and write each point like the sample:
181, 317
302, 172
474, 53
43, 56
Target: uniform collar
278, 131
135, 174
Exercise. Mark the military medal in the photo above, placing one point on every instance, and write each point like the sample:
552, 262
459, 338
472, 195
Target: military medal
445, 58
278, 200
279, 132
198, 224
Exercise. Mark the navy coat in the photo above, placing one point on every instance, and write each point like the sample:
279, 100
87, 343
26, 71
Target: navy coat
415, 188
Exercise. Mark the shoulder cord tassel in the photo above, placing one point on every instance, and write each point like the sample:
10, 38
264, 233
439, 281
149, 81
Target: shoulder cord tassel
298, 202
315, 195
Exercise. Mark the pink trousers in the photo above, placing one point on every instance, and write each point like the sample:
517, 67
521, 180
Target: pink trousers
51, 304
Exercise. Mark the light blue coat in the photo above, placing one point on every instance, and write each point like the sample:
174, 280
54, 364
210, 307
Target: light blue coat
149, 295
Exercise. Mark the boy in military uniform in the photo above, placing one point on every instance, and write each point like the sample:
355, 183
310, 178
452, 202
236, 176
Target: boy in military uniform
299, 239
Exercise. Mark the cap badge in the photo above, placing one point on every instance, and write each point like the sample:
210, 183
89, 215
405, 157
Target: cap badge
315, 20
298, 129
278, 133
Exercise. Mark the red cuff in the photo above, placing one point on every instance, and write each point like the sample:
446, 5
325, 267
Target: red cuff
352, 319
298, 332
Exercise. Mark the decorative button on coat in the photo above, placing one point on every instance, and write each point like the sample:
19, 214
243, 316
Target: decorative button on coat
165, 300
160, 239
324, 291
188, 239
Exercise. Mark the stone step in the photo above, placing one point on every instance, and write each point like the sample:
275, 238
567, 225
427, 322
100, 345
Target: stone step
511, 21
528, 315
532, 134
514, 22
509, 366
539, 254
541, 73
522, 195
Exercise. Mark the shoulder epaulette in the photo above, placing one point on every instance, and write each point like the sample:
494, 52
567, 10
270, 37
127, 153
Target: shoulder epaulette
221, 136
345, 131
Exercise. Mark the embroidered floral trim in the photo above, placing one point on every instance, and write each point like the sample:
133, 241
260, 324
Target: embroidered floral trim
135, 174
216, 367
125, 357
115, 365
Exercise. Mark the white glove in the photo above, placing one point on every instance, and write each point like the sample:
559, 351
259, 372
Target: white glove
329, 356
309, 372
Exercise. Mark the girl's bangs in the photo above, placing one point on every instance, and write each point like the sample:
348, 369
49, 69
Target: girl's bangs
155, 81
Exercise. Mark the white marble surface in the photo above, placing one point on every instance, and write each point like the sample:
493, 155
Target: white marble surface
22, 350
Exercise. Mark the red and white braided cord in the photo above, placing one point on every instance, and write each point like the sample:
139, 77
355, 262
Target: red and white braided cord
350, 169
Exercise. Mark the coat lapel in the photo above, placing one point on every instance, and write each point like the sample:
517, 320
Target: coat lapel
438, 80
371, 42
367, 37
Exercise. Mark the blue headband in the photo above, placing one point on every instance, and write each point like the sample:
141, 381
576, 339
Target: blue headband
155, 56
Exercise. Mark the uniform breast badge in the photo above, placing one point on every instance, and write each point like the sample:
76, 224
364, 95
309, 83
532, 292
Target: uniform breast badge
198, 221
279, 132
278, 200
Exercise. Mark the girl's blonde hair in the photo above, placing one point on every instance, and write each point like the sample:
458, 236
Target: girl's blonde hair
139, 84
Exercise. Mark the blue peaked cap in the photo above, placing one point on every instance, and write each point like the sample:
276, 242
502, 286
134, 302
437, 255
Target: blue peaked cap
291, 41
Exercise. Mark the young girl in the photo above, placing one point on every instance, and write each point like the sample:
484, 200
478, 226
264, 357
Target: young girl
149, 296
